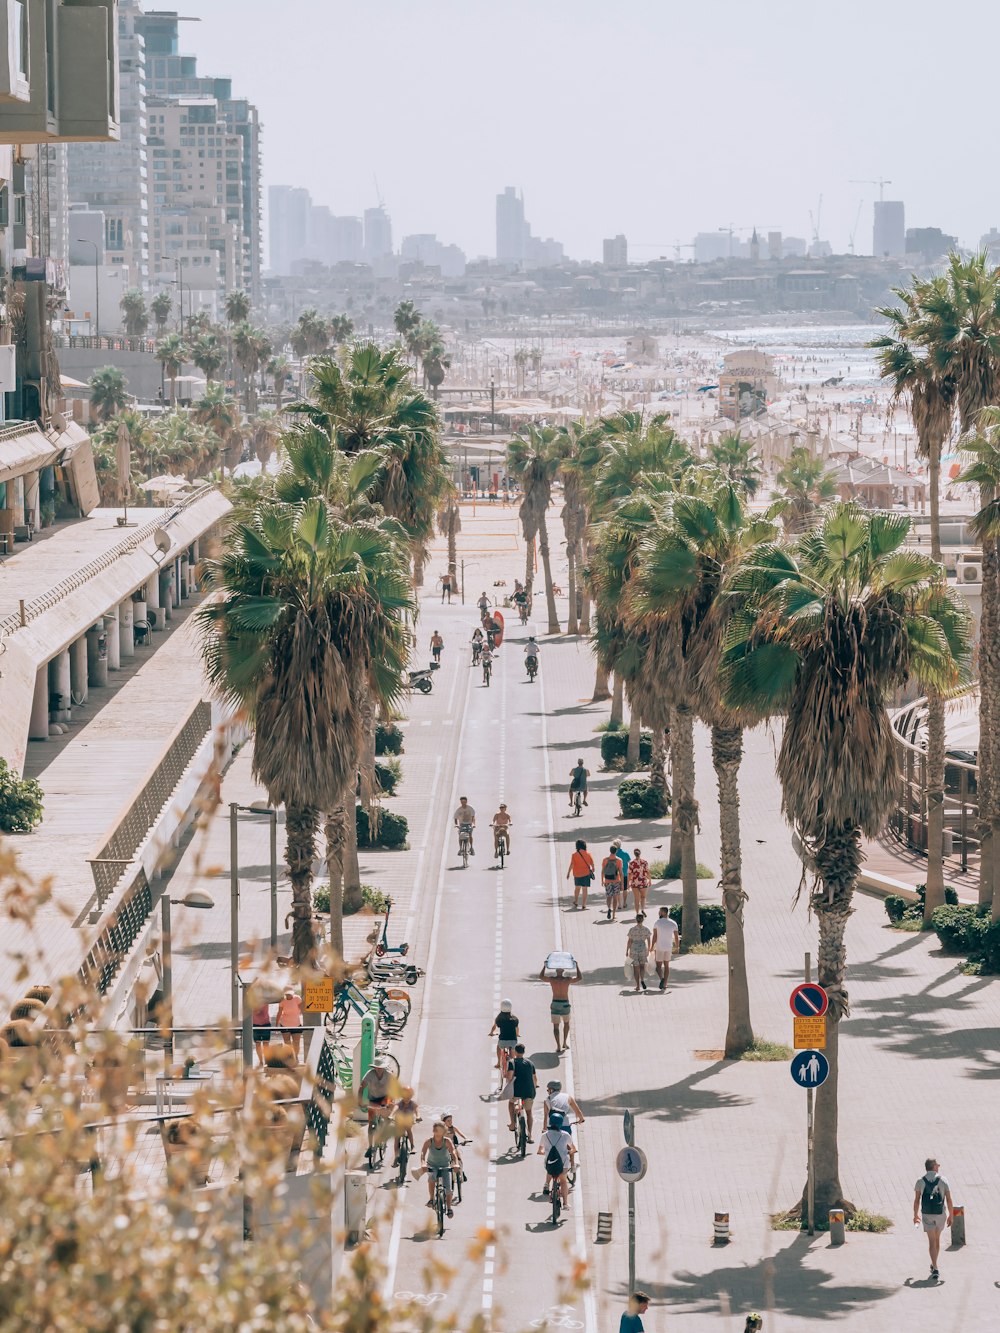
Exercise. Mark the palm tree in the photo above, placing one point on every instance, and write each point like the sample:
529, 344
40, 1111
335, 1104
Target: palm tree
406, 321
135, 316
237, 308
109, 393
251, 348
208, 354
823, 632
435, 362
807, 486
160, 308
532, 460
450, 525
736, 459
266, 430
280, 370
341, 329
172, 352
311, 335
914, 375
568, 446
184, 445
216, 410
310, 609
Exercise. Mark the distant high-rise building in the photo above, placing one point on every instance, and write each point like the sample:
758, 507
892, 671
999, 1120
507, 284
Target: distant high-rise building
512, 230
774, 247
794, 247
616, 252
378, 234
425, 248
929, 242
990, 242
889, 232
347, 240
288, 217
711, 245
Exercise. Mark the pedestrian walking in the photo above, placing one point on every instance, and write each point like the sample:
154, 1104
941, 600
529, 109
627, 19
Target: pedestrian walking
611, 878
289, 1015
560, 1007
437, 643
625, 858
637, 950
581, 868
933, 1207
631, 1321
446, 588
665, 937
638, 879
261, 1020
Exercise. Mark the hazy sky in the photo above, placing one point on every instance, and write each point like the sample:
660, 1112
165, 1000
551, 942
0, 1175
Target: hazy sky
658, 118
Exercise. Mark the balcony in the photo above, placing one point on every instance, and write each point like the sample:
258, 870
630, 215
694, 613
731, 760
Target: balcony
14, 54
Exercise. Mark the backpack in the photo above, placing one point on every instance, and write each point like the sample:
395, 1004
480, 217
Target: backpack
932, 1199
554, 1162
613, 864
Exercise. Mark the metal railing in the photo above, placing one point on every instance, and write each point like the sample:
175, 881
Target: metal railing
324, 1082
114, 943
908, 820
64, 587
15, 430
118, 849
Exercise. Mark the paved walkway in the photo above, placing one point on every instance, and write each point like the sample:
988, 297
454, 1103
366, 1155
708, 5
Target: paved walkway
920, 1054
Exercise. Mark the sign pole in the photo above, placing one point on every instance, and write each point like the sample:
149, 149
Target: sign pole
629, 1125
810, 1160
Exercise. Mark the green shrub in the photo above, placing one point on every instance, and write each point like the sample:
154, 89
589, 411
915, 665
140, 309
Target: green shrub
614, 748
961, 929
20, 801
321, 898
610, 726
639, 799
989, 950
896, 907
672, 870
901, 912
374, 899
389, 776
388, 738
392, 829
712, 917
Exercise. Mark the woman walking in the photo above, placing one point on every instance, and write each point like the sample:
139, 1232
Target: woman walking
261, 1020
289, 1016
638, 879
613, 880
637, 950
581, 868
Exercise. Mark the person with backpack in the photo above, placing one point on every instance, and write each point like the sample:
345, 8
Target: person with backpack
581, 867
557, 1148
613, 879
932, 1205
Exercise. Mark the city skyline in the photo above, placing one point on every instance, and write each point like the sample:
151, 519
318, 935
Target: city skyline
644, 153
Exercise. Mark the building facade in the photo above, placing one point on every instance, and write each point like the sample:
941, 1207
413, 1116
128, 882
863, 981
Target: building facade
616, 251
889, 231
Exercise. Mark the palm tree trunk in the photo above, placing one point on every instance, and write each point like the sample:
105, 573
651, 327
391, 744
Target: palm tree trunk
838, 863
989, 625
336, 841
727, 754
529, 567
572, 626
418, 569
617, 702
601, 681
675, 832
935, 760
453, 519
301, 827
658, 764
352, 869
634, 734
550, 596
685, 819
585, 611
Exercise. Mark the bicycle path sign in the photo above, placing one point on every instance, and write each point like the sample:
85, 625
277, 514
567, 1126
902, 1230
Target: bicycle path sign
631, 1164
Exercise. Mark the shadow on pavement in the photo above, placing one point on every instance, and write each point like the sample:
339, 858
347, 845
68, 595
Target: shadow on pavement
676, 1102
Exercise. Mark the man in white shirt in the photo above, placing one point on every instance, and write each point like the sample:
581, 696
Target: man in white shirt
664, 943
466, 815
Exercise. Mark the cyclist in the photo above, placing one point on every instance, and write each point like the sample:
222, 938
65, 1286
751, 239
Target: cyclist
524, 1090
483, 604
493, 631
560, 1103
407, 1115
531, 650
578, 781
505, 1025
437, 643
465, 815
457, 1137
556, 1146
502, 825
437, 1157
520, 600
378, 1084
487, 661
477, 645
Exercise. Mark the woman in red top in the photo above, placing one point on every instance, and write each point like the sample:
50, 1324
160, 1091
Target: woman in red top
638, 880
581, 867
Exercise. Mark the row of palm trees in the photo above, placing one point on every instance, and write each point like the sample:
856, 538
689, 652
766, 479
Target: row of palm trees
309, 637
423, 340
704, 609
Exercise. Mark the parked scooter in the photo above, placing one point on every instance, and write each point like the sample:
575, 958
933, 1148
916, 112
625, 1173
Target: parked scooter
421, 680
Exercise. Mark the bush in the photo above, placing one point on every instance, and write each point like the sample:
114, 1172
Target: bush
614, 747
901, 912
989, 950
388, 738
712, 917
961, 929
392, 829
321, 898
896, 907
20, 802
371, 898
639, 799
389, 776
672, 870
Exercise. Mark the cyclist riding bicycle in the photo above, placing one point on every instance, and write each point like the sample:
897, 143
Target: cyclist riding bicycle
465, 818
493, 630
483, 604
378, 1084
486, 657
561, 1104
406, 1116
502, 825
531, 649
477, 645
556, 1146
437, 1157
452, 1132
578, 781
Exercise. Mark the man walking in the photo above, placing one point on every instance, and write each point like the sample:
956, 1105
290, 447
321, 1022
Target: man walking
665, 937
631, 1320
932, 1205
560, 1007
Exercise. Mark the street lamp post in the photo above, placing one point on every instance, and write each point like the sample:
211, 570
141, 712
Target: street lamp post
493, 406
196, 898
82, 240
235, 810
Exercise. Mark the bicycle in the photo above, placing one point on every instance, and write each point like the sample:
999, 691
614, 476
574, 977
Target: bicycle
440, 1199
531, 663
578, 803
477, 652
487, 671
520, 1128
522, 611
393, 1008
344, 1063
403, 1155
464, 843
376, 1139
501, 845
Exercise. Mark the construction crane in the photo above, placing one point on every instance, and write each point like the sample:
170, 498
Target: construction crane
881, 183
378, 194
854, 229
814, 222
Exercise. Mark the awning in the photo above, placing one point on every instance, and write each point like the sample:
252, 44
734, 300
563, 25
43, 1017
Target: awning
25, 450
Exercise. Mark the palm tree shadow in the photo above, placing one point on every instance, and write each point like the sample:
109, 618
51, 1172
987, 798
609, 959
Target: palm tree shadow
675, 1103
784, 1282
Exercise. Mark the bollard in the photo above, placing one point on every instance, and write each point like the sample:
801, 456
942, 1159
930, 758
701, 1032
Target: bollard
603, 1228
355, 1206
837, 1234
721, 1236
958, 1224
364, 1055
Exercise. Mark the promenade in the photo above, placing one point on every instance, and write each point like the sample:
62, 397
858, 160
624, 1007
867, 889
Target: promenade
920, 1052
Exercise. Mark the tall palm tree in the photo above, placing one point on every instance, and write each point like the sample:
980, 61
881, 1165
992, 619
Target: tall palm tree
208, 354
931, 393
310, 609
568, 447
266, 430
160, 308
823, 632
450, 525
251, 348
135, 316
216, 410
341, 330
237, 308
532, 460
109, 393
280, 369
737, 460
806, 485
406, 320
184, 445
172, 352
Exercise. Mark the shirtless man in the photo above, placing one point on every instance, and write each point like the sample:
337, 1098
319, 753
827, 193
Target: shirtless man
466, 815
502, 823
560, 1007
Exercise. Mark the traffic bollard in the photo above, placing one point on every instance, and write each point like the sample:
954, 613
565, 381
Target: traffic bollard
837, 1234
958, 1224
603, 1228
355, 1206
721, 1236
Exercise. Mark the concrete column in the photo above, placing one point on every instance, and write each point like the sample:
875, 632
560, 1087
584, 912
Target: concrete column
38, 728
167, 592
78, 669
32, 499
153, 613
114, 639
97, 656
179, 589
139, 611
126, 628
59, 684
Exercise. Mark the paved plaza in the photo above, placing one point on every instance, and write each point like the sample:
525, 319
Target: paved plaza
920, 1053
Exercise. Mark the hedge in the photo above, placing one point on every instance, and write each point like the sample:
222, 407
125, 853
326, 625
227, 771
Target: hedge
898, 908
614, 748
388, 738
639, 799
392, 829
712, 917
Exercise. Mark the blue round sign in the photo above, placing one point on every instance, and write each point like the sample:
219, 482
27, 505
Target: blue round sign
809, 1068
809, 1000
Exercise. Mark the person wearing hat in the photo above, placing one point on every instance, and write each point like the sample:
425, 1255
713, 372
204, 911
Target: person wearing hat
289, 1015
505, 1025
502, 825
378, 1085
